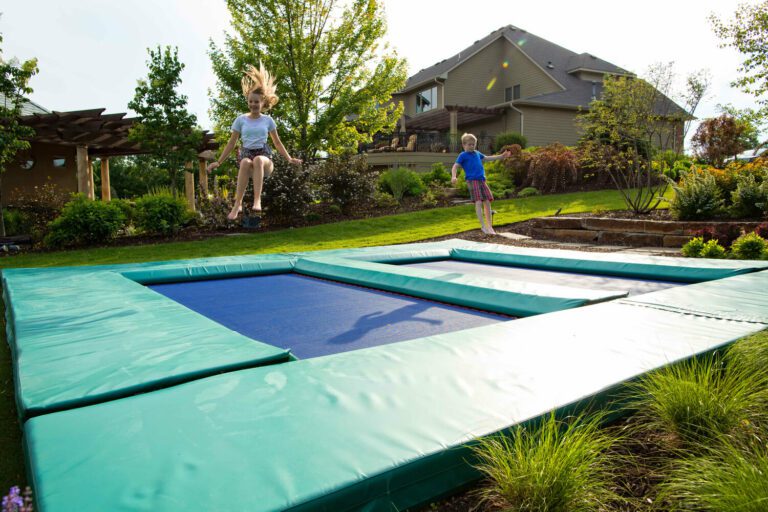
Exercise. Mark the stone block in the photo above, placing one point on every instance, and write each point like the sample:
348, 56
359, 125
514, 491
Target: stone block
675, 240
559, 222
631, 239
579, 235
608, 224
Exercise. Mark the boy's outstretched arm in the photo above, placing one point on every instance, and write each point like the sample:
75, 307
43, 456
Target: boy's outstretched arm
505, 154
453, 173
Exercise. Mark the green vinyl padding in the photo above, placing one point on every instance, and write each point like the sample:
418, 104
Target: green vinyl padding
742, 298
81, 336
492, 294
662, 268
379, 429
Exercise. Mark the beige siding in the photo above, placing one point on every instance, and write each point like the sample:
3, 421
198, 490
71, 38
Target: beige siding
542, 126
16, 179
481, 80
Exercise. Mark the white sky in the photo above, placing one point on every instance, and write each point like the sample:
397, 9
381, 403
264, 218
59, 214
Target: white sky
91, 52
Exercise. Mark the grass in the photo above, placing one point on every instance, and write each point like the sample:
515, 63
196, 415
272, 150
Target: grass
552, 467
699, 401
394, 229
733, 477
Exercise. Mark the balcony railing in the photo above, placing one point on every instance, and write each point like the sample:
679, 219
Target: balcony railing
428, 142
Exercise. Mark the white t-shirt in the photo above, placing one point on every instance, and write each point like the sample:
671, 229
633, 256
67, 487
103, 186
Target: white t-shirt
253, 132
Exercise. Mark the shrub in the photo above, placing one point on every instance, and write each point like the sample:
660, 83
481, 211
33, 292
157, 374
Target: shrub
85, 222
696, 197
345, 180
17, 222
508, 138
438, 175
39, 206
699, 401
693, 248
517, 164
161, 213
749, 246
750, 199
287, 193
385, 200
529, 192
712, 249
552, 467
213, 213
499, 177
553, 168
428, 200
401, 182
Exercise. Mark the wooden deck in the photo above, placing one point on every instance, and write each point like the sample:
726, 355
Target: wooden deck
416, 160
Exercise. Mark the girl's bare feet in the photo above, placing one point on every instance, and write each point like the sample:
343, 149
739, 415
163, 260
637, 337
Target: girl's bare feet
235, 212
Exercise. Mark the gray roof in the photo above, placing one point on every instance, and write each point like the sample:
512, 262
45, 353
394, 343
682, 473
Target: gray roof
27, 108
555, 60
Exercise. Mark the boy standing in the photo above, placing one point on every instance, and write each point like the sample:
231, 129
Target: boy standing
472, 162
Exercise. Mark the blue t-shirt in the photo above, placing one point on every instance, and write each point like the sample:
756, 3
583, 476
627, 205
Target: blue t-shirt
253, 132
472, 163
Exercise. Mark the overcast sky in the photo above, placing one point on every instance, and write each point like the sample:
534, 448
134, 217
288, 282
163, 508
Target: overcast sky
91, 52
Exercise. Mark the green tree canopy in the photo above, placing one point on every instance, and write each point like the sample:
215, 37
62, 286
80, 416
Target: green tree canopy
633, 118
747, 32
14, 84
166, 129
334, 80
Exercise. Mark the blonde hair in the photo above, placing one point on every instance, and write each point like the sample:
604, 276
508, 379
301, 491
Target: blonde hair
260, 81
468, 136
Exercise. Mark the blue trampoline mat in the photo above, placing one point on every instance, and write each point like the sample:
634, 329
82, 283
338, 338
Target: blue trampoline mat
530, 275
313, 317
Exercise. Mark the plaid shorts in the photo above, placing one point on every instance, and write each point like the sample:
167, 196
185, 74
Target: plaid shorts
253, 153
479, 191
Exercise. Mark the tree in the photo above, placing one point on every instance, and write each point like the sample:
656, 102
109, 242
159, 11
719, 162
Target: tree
166, 130
751, 123
718, 138
748, 34
334, 82
14, 84
634, 118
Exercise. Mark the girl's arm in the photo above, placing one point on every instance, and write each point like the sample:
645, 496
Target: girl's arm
224, 154
281, 149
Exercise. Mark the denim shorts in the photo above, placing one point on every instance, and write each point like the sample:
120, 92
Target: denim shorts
253, 153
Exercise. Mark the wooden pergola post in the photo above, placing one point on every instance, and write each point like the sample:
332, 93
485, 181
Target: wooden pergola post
203, 177
91, 185
189, 185
82, 169
106, 194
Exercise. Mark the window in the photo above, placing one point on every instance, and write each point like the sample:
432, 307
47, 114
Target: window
27, 164
426, 100
512, 93
508, 94
59, 161
516, 92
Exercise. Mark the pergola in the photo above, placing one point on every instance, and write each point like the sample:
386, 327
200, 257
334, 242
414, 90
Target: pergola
98, 135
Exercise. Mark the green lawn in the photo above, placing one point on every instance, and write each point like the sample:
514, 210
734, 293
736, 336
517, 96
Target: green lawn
395, 229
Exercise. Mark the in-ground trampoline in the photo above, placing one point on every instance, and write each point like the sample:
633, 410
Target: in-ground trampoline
138, 401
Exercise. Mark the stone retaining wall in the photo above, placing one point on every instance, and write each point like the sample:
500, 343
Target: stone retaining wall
631, 232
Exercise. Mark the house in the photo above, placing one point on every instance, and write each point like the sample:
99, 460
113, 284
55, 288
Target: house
508, 81
64, 145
